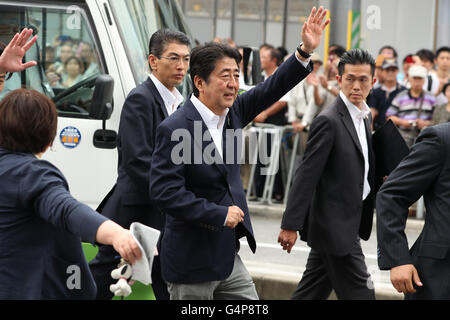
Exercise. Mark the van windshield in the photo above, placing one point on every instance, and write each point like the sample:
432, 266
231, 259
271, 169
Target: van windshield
137, 21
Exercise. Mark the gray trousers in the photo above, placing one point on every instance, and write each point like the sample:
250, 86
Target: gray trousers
238, 286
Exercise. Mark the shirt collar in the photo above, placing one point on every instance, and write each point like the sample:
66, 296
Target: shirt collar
209, 117
355, 112
169, 97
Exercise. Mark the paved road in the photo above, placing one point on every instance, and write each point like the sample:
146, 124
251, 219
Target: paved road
271, 259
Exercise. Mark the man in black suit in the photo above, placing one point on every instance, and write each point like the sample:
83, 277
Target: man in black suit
422, 272
145, 108
331, 200
202, 194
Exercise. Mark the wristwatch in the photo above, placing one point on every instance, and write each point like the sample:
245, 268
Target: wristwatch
330, 87
304, 54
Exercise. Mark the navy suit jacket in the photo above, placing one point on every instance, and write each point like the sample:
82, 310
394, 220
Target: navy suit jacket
41, 229
129, 199
195, 193
425, 171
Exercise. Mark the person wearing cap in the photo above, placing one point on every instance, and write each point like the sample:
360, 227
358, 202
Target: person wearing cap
412, 109
381, 98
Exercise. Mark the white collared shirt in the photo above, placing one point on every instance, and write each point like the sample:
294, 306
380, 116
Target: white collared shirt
172, 99
358, 121
213, 122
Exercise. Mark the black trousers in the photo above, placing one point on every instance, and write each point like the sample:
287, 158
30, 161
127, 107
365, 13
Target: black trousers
102, 277
347, 275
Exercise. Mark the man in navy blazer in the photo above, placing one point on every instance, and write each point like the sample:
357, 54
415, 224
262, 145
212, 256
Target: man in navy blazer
195, 176
145, 108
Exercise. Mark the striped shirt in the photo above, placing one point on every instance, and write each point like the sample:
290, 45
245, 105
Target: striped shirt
405, 106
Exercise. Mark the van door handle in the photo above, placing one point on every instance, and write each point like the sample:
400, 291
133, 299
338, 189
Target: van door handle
105, 139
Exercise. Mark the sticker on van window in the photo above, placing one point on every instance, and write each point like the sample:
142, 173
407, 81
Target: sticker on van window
70, 137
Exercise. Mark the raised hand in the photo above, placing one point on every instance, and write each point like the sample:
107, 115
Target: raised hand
313, 28
11, 59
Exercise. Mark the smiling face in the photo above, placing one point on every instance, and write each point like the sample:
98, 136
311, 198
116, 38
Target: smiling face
356, 82
221, 89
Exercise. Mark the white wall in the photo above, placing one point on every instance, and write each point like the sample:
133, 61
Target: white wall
407, 25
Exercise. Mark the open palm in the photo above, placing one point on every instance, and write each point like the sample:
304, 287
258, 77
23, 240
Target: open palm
313, 28
11, 59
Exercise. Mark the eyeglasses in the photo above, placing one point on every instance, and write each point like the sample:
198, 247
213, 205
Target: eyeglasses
176, 60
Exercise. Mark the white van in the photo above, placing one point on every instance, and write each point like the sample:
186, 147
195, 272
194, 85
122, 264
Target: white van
77, 42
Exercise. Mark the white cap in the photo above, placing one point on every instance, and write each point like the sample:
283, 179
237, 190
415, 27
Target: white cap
417, 71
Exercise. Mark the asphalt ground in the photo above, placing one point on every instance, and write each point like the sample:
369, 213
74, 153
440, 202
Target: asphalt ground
276, 273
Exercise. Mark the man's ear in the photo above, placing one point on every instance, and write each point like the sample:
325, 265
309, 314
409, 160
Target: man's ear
199, 83
152, 62
339, 80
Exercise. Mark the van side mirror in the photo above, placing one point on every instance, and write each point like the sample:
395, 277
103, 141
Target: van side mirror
252, 66
102, 99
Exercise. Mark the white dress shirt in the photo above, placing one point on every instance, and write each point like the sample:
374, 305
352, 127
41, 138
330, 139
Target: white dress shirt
213, 122
172, 99
358, 117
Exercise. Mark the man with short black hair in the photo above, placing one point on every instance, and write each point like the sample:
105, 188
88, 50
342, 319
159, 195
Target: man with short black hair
427, 58
198, 187
388, 51
443, 66
144, 109
331, 199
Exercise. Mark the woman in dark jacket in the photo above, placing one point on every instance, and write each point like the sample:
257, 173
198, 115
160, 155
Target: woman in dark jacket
41, 224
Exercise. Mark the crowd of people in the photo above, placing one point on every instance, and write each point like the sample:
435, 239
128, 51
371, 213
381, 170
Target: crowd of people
68, 61
200, 207
413, 95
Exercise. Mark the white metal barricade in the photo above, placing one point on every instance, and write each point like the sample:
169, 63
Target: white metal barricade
280, 158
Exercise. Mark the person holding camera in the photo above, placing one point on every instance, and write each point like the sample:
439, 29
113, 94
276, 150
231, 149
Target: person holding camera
412, 109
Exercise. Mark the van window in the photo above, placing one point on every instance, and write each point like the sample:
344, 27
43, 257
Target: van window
67, 55
137, 20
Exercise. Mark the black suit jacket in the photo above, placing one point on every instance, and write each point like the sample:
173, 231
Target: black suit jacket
425, 171
195, 193
325, 201
129, 200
